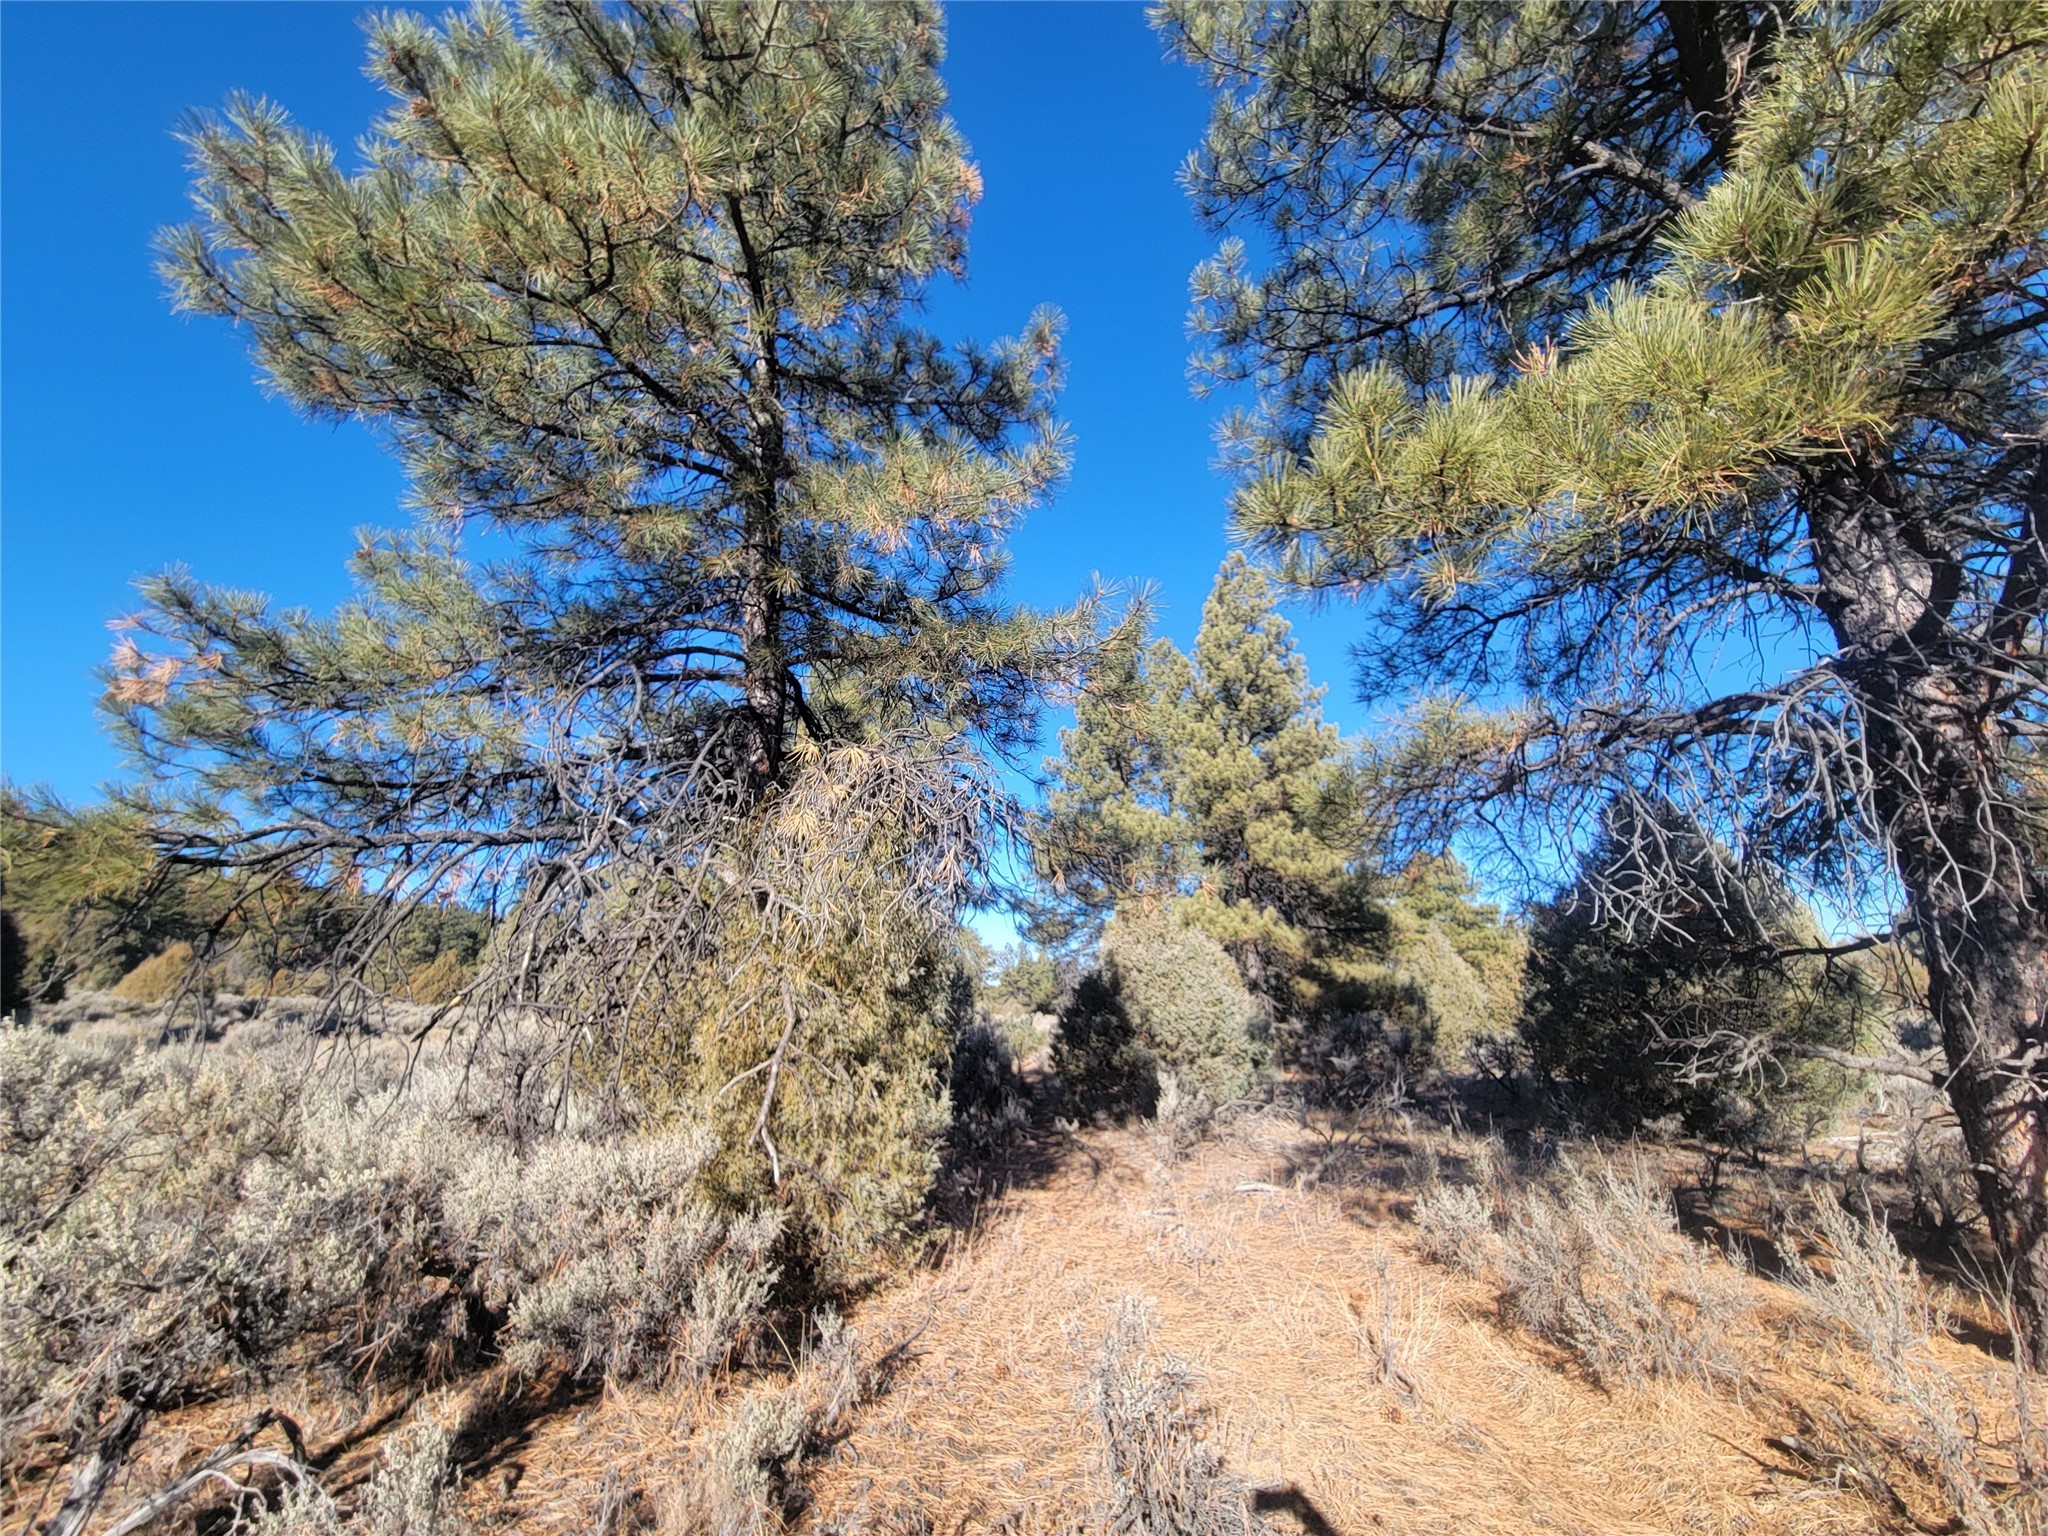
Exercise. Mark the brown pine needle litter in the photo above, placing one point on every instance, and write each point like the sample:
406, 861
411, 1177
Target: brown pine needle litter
1337, 1379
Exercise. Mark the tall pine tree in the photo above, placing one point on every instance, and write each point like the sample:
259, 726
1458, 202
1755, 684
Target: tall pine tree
1761, 532
1109, 830
1258, 774
630, 289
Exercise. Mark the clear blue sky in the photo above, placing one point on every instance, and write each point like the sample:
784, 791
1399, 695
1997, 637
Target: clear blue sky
131, 439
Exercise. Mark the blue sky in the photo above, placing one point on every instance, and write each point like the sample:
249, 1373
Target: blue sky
131, 438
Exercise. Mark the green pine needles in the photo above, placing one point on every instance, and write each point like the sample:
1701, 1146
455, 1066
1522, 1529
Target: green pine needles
630, 289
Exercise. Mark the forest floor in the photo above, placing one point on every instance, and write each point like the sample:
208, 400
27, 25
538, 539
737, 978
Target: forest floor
1349, 1383
1353, 1385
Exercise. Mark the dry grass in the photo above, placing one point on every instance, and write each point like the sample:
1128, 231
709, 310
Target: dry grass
1350, 1382
1307, 1341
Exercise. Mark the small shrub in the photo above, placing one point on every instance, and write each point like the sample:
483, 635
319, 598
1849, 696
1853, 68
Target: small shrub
749, 1470
1592, 1261
166, 1224
1164, 1480
1939, 1178
412, 1493
986, 1093
608, 1258
1182, 1117
1456, 1225
1165, 995
1598, 1265
1874, 1298
1103, 1067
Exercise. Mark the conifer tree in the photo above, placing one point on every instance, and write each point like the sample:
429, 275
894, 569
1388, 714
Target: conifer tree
1623, 1012
1442, 183
1759, 532
1258, 776
630, 289
1109, 830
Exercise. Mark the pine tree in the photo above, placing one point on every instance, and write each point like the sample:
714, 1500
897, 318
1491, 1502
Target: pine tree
1109, 830
630, 290
1802, 456
1441, 183
1273, 827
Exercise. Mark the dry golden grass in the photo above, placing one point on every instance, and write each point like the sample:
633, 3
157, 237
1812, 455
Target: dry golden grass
1282, 1300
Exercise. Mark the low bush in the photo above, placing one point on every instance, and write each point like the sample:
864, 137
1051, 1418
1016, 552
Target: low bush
986, 1093
1592, 1260
169, 1226
749, 1470
1164, 996
412, 1493
1872, 1297
1163, 1478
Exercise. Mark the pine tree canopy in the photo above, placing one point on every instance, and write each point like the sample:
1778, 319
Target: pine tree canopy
627, 289
1109, 829
1757, 530
1441, 183
1851, 313
1211, 779
1258, 772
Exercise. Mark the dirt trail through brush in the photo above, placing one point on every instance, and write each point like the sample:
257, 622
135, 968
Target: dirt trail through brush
1356, 1387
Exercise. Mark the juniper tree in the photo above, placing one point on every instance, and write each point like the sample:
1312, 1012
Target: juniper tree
1658, 948
1762, 535
629, 290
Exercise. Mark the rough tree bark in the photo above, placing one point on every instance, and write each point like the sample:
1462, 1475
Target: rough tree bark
1936, 735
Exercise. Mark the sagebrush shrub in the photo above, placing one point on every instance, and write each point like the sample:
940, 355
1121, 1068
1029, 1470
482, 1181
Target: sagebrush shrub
749, 1469
1163, 1478
411, 1493
1456, 1226
1873, 1296
165, 1220
1592, 1260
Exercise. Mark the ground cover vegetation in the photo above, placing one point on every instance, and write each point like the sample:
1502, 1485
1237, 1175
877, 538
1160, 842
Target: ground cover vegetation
512, 1057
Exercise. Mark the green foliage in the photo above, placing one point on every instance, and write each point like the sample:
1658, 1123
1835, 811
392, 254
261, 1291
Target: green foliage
1111, 829
1027, 978
1213, 776
1625, 1016
1750, 520
1164, 996
629, 286
1259, 777
86, 893
1439, 185
1463, 961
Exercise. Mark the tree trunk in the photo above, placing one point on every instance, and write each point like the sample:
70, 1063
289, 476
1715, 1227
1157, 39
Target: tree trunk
765, 663
1927, 693
1988, 991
